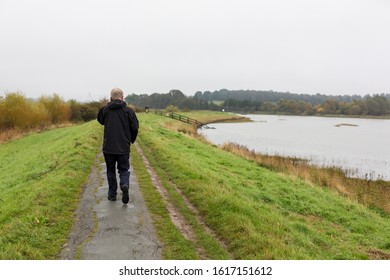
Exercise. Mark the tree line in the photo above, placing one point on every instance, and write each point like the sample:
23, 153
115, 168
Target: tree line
272, 96
174, 98
19, 112
376, 105
267, 102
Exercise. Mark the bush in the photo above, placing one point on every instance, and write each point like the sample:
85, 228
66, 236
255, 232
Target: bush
2, 113
75, 111
58, 109
39, 117
18, 112
15, 112
90, 110
172, 108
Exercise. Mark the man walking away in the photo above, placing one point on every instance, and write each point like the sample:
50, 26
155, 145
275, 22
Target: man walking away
120, 130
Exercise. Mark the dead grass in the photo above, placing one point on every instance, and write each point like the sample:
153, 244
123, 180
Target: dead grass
378, 255
373, 193
17, 133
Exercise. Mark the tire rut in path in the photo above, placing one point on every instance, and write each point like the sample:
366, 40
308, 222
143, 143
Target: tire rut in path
176, 218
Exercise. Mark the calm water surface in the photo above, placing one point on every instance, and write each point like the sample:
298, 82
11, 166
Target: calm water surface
359, 146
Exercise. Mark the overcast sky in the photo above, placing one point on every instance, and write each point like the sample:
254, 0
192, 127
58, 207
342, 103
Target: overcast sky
82, 49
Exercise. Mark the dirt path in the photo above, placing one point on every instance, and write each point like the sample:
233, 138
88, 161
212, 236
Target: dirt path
110, 230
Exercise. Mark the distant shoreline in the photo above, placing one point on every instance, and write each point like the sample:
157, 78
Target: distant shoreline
386, 117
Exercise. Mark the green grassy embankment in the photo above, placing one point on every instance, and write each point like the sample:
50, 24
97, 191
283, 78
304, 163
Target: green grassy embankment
41, 177
257, 213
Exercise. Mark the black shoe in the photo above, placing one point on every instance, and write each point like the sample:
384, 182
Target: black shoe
125, 195
111, 198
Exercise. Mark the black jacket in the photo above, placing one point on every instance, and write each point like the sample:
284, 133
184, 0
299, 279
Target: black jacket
120, 127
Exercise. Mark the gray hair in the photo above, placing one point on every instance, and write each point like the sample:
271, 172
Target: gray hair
116, 93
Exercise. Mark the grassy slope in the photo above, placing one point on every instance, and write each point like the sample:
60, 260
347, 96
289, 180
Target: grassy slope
260, 214
40, 182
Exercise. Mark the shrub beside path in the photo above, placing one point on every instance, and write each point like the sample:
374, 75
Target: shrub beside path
107, 230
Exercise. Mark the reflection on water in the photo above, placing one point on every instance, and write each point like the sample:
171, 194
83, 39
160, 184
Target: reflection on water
359, 146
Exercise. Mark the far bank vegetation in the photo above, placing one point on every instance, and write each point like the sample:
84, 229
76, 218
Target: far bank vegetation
270, 102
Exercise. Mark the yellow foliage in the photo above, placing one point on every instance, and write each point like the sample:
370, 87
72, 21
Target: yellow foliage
17, 112
58, 109
40, 117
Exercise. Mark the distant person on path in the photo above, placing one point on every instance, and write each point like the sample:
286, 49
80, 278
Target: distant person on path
120, 130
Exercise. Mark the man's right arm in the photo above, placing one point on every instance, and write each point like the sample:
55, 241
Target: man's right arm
100, 116
134, 125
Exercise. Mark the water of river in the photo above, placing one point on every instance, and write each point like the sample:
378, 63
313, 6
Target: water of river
359, 146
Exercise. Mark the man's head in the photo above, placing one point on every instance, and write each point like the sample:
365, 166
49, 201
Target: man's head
116, 94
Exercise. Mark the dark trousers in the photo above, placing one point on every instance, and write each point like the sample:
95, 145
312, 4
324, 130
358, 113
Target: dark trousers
123, 164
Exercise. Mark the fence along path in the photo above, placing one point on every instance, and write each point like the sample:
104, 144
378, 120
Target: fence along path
182, 118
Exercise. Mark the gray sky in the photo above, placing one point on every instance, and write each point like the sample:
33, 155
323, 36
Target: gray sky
82, 49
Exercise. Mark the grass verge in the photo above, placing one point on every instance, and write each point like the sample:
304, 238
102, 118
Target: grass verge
258, 213
372, 193
41, 180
